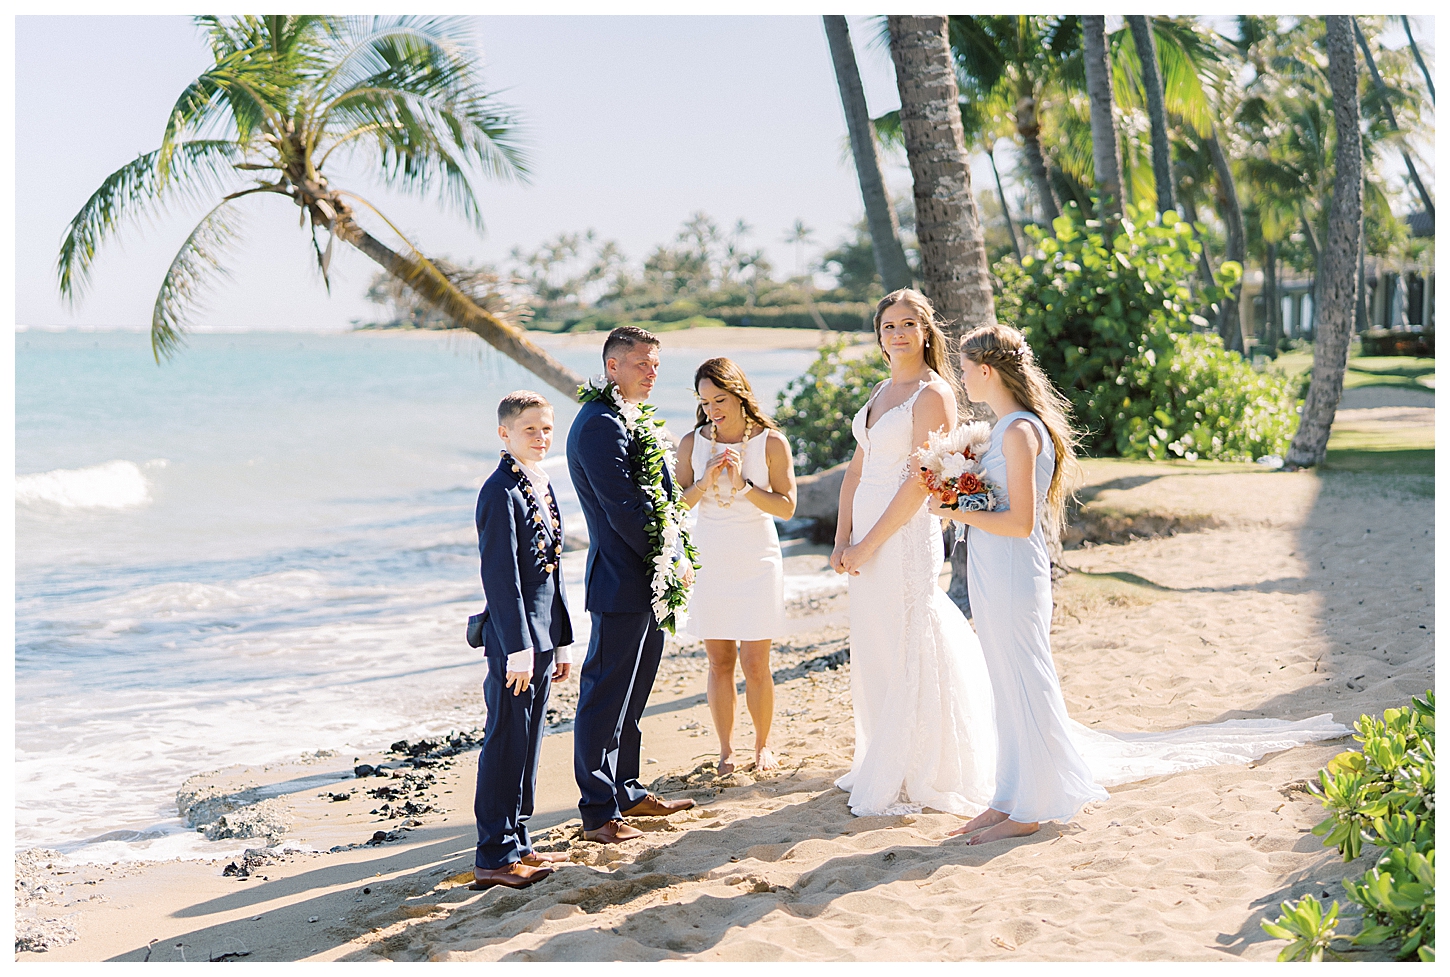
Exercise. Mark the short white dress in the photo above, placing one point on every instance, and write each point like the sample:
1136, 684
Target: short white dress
739, 592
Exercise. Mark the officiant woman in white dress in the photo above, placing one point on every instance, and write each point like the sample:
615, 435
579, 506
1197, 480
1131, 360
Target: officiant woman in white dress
735, 469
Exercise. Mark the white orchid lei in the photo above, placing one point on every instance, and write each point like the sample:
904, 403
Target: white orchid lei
649, 456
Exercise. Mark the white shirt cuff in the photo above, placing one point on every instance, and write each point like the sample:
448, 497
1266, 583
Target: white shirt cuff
562, 656
521, 661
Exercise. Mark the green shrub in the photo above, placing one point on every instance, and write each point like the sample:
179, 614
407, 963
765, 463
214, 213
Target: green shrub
815, 409
1112, 326
1383, 794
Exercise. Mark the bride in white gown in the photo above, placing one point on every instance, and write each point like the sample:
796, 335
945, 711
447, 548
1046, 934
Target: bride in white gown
931, 730
919, 685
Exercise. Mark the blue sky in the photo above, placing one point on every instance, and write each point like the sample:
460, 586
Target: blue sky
634, 123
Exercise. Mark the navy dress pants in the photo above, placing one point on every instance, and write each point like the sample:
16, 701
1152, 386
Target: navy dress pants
509, 762
614, 685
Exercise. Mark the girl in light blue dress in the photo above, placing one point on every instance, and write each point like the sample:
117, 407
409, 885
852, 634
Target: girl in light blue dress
1041, 775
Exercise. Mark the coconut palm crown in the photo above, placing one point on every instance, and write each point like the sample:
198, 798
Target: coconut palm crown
285, 96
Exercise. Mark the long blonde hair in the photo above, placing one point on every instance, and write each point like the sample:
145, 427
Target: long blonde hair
939, 352
726, 374
1006, 351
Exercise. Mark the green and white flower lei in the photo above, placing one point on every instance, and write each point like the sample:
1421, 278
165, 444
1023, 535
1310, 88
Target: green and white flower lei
649, 456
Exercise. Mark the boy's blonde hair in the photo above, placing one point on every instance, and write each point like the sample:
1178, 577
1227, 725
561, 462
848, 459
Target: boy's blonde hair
517, 402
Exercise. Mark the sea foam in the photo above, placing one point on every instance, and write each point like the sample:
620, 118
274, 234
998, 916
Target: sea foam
113, 485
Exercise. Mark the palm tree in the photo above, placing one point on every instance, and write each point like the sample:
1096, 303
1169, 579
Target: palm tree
948, 231
798, 234
283, 94
1157, 114
949, 235
1415, 50
1389, 113
1018, 60
880, 218
1337, 292
1107, 158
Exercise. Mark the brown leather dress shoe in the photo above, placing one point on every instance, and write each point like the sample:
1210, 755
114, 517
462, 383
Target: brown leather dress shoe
537, 858
611, 832
653, 807
515, 876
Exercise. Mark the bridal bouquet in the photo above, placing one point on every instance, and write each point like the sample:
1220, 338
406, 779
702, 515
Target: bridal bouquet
951, 467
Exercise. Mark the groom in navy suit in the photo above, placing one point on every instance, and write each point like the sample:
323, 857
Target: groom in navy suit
626, 641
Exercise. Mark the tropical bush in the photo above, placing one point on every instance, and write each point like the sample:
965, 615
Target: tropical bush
1383, 794
1112, 324
815, 409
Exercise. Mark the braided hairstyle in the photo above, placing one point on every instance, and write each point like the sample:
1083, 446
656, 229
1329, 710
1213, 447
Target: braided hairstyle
1006, 351
726, 374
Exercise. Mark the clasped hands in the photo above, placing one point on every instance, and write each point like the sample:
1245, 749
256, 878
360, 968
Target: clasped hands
516, 682
727, 462
850, 559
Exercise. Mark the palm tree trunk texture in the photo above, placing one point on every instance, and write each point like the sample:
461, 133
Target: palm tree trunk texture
1157, 115
1234, 249
443, 295
1002, 198
880, 217
953, 253
1336, 312
1379, 83
948, 230
1107, 157
1030, 129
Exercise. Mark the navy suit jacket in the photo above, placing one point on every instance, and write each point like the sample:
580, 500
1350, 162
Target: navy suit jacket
616, 576
526, 607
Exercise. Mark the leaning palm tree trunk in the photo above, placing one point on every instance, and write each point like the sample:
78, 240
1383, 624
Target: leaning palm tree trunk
434, 288
1234, 250
953, 252
880, 217
1157, 115
1339, 281
1107, 157
1002, 199
1415, 50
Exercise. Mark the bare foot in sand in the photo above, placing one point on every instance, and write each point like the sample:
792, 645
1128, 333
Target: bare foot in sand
1005, 828
726, 766
982, 821
765, 760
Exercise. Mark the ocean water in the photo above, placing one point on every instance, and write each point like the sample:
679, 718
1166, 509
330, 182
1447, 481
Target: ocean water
261, 549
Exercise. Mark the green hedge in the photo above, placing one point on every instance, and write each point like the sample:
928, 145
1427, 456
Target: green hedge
842, 316
1383, 342
1383, 794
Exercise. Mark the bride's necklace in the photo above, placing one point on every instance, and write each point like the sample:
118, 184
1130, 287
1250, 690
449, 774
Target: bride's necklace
714, 441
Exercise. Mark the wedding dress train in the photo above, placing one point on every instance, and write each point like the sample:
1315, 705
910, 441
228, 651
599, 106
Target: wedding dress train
932, 730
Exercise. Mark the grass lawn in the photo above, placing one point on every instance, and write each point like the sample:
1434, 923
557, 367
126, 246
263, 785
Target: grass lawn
1381, 448
1416, 372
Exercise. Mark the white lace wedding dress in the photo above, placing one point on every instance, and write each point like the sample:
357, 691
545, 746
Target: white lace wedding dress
926, 733
919, 687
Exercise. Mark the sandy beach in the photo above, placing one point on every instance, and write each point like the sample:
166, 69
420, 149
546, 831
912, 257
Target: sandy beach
1200, 593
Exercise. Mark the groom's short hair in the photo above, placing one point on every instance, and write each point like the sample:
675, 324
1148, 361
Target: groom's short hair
622, 339
519, 401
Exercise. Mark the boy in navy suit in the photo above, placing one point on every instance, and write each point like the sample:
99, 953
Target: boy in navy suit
526, 634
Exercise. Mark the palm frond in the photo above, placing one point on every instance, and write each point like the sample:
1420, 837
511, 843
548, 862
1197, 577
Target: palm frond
196, 266
422, 110
197, 167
